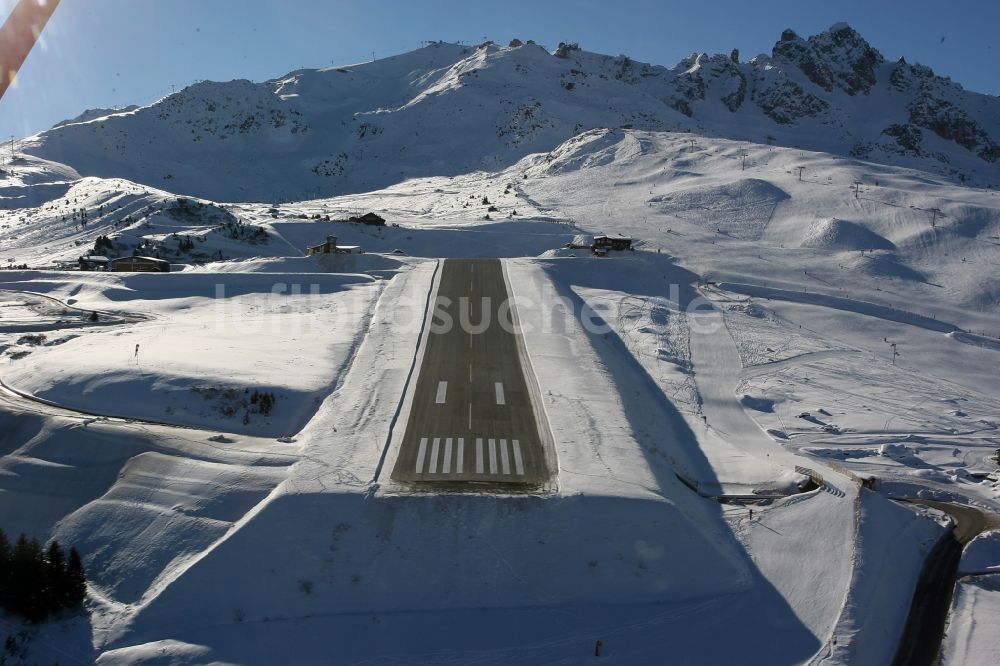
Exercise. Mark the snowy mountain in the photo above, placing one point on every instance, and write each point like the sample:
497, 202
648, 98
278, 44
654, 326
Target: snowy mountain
806, 331
448, 109
93, 114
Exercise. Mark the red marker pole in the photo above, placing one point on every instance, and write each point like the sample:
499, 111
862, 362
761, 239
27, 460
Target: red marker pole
18, 35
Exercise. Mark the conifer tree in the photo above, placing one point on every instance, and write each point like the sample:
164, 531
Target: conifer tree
57, 575
76, 580
27, 574
36, 581
5, 553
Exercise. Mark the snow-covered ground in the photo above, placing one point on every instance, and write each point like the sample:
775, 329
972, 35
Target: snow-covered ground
210, 345
741, 351
975, 611
975, 608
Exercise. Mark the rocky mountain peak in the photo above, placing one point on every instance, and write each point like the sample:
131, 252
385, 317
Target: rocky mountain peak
838, 58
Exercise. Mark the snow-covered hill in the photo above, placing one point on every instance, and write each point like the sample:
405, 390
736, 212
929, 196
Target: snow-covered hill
448, 109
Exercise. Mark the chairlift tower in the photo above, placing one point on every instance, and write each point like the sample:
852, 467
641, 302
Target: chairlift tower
934, 216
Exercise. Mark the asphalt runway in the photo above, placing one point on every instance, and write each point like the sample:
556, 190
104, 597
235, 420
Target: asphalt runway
471, 419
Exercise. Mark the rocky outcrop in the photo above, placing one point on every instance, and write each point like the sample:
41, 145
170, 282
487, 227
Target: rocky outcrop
952, 123
780, 98
838, 58
701, 75
908, 137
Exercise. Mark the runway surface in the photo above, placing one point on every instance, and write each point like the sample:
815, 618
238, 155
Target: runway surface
471, 418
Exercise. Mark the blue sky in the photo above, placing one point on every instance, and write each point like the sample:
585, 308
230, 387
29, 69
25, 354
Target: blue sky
101, 53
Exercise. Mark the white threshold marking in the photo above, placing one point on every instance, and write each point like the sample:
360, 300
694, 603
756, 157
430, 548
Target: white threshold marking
518, 462
493, 456
420, 455
446, 463
504, 459
479, 455
432, 467
442, 391
498, 387
459, 455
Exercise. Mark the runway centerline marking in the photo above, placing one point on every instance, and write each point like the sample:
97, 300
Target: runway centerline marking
420, 454
498, 387
442, 391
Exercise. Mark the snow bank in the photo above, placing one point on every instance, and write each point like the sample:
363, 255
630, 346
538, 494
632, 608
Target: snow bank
982, 554
842, 235
970, 636
805, 545
162, 511
892, 543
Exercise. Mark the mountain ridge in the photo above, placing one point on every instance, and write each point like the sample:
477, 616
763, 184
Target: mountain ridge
446, 109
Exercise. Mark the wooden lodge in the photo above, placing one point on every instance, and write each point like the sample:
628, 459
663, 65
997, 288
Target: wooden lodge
139, 265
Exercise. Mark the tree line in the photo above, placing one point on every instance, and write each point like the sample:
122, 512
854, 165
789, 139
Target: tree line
38, 581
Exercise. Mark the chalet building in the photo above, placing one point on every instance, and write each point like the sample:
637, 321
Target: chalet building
611, 243
330, 247
327, 247
139, 265
371, 219
93, 263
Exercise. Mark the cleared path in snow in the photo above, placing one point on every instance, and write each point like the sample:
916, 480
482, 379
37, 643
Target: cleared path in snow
472, 419
717, 372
